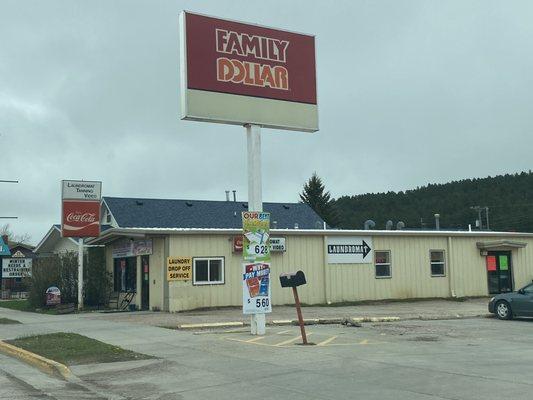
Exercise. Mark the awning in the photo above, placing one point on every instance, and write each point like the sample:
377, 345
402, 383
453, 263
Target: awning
500, 245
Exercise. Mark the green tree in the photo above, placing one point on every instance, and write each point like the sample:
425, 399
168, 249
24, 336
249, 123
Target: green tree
314, 194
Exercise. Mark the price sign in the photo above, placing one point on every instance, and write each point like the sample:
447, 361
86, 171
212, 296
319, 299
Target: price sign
256, 266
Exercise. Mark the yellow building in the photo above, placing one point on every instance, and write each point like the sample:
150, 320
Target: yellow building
340, 265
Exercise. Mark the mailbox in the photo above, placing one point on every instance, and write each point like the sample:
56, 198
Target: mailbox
292, 279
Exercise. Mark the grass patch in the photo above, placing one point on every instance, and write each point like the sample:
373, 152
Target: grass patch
7, 321
74, 349
24, 305
19, 305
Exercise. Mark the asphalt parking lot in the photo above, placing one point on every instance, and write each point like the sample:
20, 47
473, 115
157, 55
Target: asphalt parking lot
480, 358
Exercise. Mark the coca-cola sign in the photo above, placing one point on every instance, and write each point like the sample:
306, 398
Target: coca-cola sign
80, 218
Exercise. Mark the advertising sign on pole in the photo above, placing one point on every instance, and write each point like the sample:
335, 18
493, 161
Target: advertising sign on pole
256, 268
80, 218
16, 267
82, 190
239, 73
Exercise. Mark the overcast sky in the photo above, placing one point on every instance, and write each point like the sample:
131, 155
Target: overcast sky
410, 92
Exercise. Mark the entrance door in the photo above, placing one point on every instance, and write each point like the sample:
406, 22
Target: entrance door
499, 272
145, 290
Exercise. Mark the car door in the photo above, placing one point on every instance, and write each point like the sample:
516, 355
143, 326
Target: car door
523, 302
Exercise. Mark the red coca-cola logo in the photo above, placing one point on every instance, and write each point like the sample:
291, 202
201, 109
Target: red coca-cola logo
79, 217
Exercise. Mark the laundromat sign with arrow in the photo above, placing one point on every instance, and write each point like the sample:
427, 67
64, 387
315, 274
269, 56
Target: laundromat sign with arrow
350, 250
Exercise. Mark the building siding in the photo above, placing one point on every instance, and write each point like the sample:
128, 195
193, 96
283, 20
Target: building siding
465, 270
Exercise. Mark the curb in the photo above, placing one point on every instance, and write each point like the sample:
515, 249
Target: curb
50, 367
211, 325
332, 321
287, 322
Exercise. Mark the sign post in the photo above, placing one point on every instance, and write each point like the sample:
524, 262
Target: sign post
80, 217
254, 76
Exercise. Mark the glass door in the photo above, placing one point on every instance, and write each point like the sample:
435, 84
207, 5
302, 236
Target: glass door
499, 272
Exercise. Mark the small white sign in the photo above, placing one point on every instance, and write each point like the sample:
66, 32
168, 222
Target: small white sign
277, 245
81, 190
16, 267
350, 250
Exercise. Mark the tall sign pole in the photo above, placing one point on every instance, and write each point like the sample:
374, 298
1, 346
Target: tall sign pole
80, 218
255, 200
238, 73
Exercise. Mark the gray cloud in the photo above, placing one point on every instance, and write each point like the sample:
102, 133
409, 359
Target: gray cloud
409, 93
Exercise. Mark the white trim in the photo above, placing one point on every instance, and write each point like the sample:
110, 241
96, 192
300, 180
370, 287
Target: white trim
113, 219
45, 238
389, 264
110, 233
208, 259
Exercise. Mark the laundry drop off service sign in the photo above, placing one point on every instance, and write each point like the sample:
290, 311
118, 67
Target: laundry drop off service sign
256, 297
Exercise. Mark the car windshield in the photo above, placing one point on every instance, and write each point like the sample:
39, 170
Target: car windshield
528, 288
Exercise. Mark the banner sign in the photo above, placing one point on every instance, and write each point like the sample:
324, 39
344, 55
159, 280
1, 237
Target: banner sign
349, 250
80, 218
80, 215
238, 73
179, 268
132, 248
256, 268
16, 267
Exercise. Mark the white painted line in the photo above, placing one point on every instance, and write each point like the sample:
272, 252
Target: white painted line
329, 340
283, 332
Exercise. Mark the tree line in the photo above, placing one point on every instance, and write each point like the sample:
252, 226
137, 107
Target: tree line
509, 199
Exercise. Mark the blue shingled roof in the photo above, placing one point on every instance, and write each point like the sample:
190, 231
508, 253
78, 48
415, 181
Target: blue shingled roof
160, 213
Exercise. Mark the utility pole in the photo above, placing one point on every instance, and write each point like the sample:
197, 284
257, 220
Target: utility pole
479, 216
478, 209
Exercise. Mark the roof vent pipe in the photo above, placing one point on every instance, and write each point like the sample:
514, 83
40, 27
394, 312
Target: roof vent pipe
437, 222
296, 225
369, 224
388, 225
400, 225
227, 195
234, 195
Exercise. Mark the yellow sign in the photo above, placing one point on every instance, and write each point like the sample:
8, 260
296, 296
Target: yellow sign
179, 268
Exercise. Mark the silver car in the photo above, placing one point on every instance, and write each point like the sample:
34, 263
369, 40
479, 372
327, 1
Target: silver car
513, 304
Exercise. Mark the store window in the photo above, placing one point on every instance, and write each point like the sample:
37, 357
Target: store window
437, 263
382, 264
208, 271
125, 274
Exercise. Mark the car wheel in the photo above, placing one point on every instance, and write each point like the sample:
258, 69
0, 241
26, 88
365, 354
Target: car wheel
503, 310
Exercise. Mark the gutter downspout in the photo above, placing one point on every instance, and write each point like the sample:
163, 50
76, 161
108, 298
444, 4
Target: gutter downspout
327, 289
453, 292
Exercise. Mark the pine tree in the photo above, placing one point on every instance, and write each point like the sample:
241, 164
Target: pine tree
319, 200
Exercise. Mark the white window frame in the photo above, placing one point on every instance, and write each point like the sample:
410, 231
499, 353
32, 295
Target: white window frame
389, 264
443, 263
208, 259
